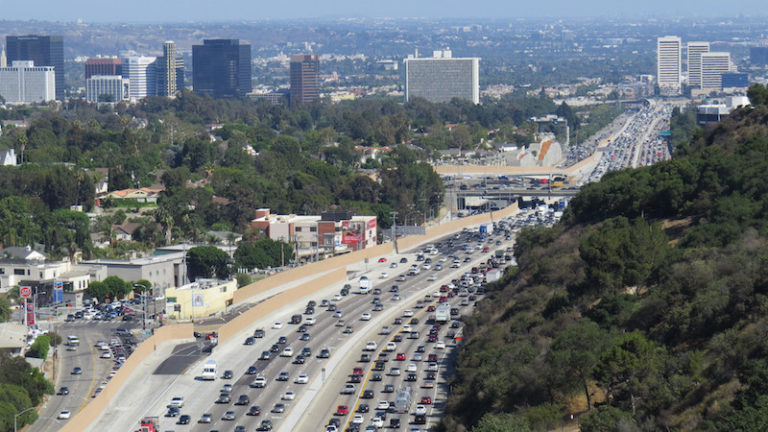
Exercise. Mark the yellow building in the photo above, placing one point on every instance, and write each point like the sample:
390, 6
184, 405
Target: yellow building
199, 299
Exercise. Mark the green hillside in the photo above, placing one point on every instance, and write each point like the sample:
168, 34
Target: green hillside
645, 309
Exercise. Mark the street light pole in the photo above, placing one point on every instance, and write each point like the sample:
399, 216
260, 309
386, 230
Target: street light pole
15, 416
144, 309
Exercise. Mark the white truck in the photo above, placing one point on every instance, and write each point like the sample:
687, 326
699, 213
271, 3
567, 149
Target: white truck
209, 371
365, 285
443, 313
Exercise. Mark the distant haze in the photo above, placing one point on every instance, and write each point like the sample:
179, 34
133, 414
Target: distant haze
137, 11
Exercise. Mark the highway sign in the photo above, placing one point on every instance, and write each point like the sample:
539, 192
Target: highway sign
25, 291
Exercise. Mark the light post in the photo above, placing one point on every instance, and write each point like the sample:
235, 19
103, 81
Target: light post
143, 296
15, 416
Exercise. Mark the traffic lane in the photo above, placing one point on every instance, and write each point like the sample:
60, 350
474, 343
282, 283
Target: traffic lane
267, 399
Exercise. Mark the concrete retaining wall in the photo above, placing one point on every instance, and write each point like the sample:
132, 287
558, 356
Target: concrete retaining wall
83, 419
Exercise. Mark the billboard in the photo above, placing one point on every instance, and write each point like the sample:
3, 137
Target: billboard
198, 300
351, 232
30, 314
58, 291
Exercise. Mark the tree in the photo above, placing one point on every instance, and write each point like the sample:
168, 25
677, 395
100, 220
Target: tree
5, 308
608, 419
503, 422
142, 286
40, 347
263, 253
208, 262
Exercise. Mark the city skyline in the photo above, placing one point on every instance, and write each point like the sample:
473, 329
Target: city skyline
242, 10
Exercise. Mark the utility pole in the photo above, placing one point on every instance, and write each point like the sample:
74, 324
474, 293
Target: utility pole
394, 230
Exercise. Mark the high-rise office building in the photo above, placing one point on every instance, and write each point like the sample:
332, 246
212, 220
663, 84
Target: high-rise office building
43, 50
713, 66
103, 66
305, 78
3, 58
668, 64
758, 56
23, 82
166, 71
107, 88
221, 68
179, 72
442, 78
735, 81
695, 50
140, 72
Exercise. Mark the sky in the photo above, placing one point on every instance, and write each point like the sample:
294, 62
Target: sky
153, 11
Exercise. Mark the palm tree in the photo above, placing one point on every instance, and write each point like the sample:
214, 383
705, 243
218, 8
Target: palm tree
22, 141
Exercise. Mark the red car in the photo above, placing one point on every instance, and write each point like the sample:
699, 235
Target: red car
382, 259
486, 249
357, 371
400, 356
342, 410
431, 308
426, 400
442, 299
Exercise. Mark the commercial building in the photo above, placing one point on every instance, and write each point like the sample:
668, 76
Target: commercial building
758, 56
13, 338
166, 70
24, 83
162, 271
103, 66
305, 78
221, 68
441, 78
713, 112
43, 50
735, 82
199, 299
695, 50
330, 233
140, 72
668, 65
280, 98
713, 66
107, 88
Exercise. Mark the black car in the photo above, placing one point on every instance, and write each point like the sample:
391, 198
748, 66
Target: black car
299, 360
324, 353
224, 398
258, 333
389, 388
367, 394
265, 355
252, 370
227, 374
184, 419
172, 412
403, 260
275, 348
63, 391
363, 408
254, 411
282, 340
376, 377
420, 419
243, 400
266, 425
249, 341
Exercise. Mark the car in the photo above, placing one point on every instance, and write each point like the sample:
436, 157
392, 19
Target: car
227, 374
377, 422
383, 275
274, 348
396, 297
403, 260
391, 346
287, 352
265, 355
393, 265
420, 410
177, 401
400, 356
342, 410
277, 325
382, 405
305, 337
239, 428
243, 400
278, 408
358, 419
407, 313
249, 341
431, 278
266, 425
282, 340
229, 416
411, 367
418, 357
388, 388
366, 316
254, 410
259, 333
77, 370
348, 330
338, 314
184, 419
382, 259
348, 389
376, 377
227, 388
205, 418
367, 394
105, 355
411, 377
426, 400
284, 376
394, 371
289, 395
371, 346
420, 419
224, 398
428, 384
324, 353
259, 382
172, 412
302, 379
432, 367
385, 330
63, 391
252, 370
397, 338
440, 345
64, 415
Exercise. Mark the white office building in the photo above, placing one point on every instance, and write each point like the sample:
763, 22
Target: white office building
23, 83
441, 78
695, 50
713, 66
140, 72
107, 88
668, 65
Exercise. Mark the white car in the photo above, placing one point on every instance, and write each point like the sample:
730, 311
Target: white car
371, 346
365, 316
383, 275
348, 389
289, 395
440, 345
393, 265
432, 367
432, 278
302, 379
310, 320
64, 415
411, 367
407, 328
426, 266
358, 419
277, 325
259, 382
391, 346
287, 352
395, 371
421, 410
407, 313
382, 405
378, 421
106, 355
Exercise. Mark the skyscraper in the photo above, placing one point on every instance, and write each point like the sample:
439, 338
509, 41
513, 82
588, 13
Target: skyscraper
695, 50
142, 76
43, 50
221, 68
166, 73
305, 79
668, 61
24, 82
103, 66
442, 78
713, 66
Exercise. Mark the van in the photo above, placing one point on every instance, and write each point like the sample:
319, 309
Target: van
209, 370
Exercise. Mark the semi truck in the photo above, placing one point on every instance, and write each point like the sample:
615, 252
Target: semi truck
149, 424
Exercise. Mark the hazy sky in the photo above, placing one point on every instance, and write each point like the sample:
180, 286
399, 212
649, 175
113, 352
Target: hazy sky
239, 10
